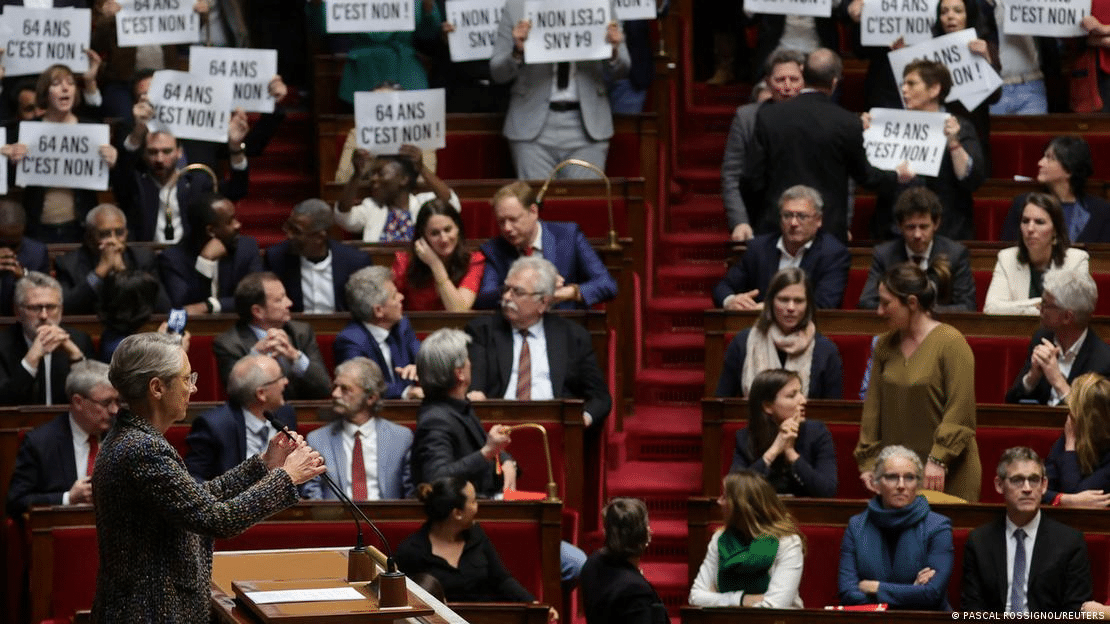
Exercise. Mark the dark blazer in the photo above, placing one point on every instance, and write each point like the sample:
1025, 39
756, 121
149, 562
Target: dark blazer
1059, 570
814, 474
394, 460
138, 192
1065, 476
45, 468
17, 387
613, 590
448, 442
826, 373
184, 285
1093, 356
238, 341
893, 252
345, 260
811, 140
73, 268
355, 340
1096, 231
570, 354
566, 247
34, 257
480, 575
826, 264
217, 440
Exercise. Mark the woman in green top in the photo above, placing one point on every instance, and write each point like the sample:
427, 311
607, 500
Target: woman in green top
756, 559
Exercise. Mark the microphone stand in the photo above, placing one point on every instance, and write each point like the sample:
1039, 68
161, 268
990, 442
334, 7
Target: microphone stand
552, 487
360, 567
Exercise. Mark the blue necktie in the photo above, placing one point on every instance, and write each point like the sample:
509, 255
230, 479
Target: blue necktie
1017, 585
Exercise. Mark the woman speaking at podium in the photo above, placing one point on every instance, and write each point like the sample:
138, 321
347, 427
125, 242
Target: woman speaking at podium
154, 523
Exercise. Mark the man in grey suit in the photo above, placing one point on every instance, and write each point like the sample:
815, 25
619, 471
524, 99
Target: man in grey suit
557, 110
918, 213
265, 328
366, 455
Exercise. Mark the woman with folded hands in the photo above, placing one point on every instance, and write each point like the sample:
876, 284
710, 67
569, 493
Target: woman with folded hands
1078, 466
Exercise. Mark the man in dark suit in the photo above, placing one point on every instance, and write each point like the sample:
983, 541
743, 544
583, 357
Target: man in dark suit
1047, 558
105, 251
265, 328
37, 352
802, 243
584, 278
356, 400
380, 331
18, 254
918, 213
1065, 346
554, 360
811, 140
201, 272
55, 461
224, 436
313, 267
151, 161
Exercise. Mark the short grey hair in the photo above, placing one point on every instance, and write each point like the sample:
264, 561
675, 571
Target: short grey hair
366, 289
318, 212
86, 375
35, 279
1074, 290
897, 450
141, 358
90, 218
247, 376
1017, 454
801, 191
546, 275
440, 355
367, 373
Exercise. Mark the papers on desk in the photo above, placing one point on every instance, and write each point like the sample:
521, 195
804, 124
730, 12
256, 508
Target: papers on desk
305, 595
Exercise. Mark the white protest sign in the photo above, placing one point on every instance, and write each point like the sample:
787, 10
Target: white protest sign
1044, 18
35, 39
634, 9
156, 22
249, 71
190, 106
572, 30
813, 8
475, 23
386, 120
344, 16
884, 21
63, 155
896, 136
973, 78
3, 164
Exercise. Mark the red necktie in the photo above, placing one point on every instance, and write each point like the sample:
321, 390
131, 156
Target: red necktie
94, 446
524, 369
527, 251
358, 471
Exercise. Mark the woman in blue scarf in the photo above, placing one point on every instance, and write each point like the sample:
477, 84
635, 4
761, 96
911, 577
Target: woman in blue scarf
756, 559
897, 552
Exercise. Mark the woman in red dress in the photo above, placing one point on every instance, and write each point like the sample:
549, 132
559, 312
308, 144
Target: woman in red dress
439, 273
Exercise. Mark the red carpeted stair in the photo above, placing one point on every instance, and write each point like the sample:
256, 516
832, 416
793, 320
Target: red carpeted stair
280, 178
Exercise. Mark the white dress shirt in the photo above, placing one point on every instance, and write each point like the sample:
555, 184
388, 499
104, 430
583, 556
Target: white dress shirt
541, 367
317, 291
81, 450
255, 427
792, 261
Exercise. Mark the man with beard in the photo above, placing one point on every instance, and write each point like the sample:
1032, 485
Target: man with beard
366, 455
153, 208
313, 267
222, 256
389, 212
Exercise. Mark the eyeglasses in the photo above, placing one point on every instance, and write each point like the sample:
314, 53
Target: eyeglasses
192, 379
802, 217
893, 479
1019, 480
517, 291
109, 233
40, 308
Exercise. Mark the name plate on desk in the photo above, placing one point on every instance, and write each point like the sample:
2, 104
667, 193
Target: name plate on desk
323, 601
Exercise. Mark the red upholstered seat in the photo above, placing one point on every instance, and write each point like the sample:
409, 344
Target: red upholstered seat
76, 560
1005, 356
818, 587
855, 349
990, 213
857, 279
203, 361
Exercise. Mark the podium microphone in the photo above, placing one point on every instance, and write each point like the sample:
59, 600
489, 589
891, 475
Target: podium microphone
391, 583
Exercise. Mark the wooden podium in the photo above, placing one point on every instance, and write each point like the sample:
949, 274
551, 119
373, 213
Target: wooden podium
306, 569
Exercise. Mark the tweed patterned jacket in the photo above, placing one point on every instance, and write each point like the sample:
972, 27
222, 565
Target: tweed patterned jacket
155, 524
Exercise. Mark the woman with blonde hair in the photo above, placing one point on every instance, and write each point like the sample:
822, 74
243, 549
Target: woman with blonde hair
755, 560
1078, 467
